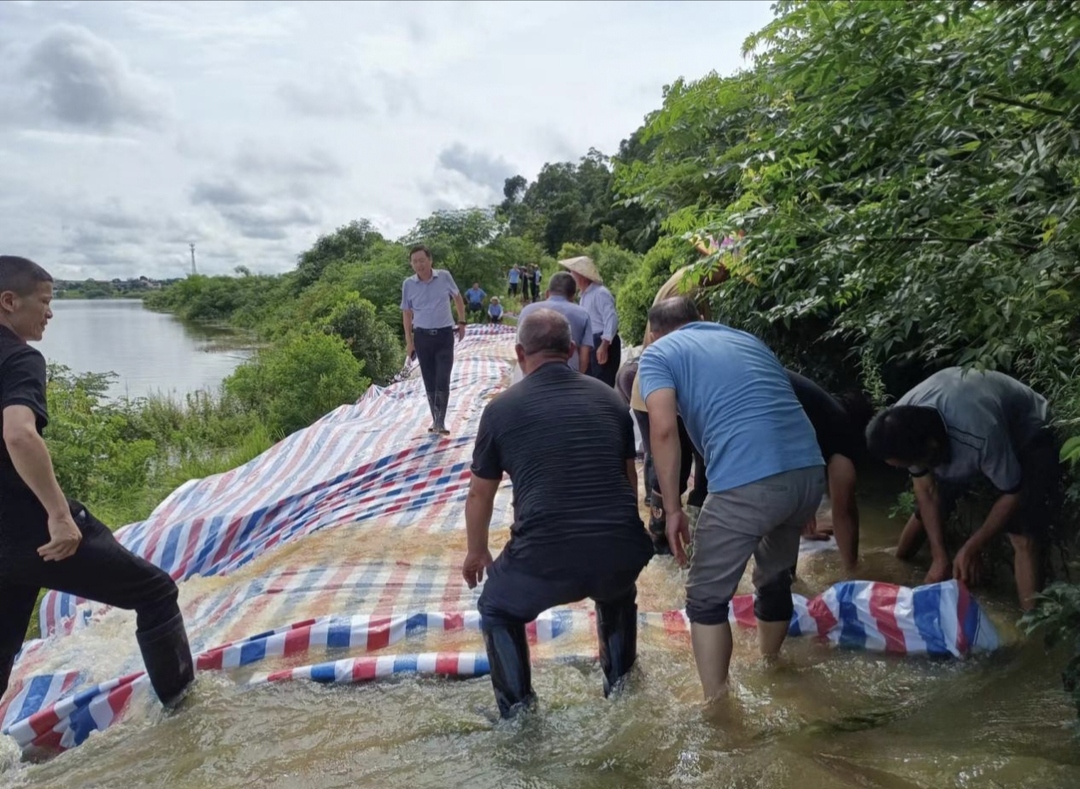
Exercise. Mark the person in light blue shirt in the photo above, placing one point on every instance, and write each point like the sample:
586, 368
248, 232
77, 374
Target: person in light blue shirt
765, 473
514, 277
474, 298
560, 297
600, 304
495, 310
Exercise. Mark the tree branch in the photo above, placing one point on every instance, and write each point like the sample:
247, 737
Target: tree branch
1025, 105
949, 240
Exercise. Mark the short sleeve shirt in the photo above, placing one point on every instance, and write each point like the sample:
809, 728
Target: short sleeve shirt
581, 331
835, 430
575, 511
22, 382
736, 401
430, 301
989, 418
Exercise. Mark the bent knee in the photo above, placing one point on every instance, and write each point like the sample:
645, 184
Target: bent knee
773, 602
706, 613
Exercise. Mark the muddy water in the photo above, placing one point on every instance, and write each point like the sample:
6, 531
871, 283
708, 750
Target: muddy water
822, 718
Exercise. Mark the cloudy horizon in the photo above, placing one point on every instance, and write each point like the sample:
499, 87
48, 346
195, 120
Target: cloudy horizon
129, 130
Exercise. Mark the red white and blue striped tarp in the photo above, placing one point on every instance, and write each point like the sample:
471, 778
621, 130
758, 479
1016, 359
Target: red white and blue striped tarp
353, 488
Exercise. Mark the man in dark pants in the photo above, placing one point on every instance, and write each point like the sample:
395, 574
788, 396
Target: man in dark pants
47, 540
600, 304
842, 443
955, 427
576, 531
429, 329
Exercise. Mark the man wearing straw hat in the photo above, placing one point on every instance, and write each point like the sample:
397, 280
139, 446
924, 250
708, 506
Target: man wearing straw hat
600, 304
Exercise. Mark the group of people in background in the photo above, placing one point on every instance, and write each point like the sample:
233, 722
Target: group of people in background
764, 444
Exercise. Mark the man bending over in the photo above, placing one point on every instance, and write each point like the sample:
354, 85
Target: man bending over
576, 532
765, 474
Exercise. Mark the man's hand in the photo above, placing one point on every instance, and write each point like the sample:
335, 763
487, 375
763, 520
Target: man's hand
410, 351
602, 353
678, 534
473, 568
461, 331
966, 566
64, 538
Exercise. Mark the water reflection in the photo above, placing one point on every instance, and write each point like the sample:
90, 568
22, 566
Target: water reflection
150, 352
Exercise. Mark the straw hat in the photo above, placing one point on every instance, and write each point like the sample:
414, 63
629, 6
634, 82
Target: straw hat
583, 266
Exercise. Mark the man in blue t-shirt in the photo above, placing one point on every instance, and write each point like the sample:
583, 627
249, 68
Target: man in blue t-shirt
765, 473
474, 298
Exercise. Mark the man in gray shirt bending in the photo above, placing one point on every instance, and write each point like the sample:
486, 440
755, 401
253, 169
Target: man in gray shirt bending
429, 329
560, 297
949, 430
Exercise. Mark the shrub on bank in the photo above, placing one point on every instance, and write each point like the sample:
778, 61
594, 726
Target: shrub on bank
297, 381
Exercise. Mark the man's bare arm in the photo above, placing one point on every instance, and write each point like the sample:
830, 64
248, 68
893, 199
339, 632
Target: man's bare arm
478, 508
583, 358
926, 496
666, 450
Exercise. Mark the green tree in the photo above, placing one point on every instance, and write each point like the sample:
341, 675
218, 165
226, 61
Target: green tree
371, 341
354, 241
298, 381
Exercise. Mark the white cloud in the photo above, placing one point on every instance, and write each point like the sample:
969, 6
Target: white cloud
128, 130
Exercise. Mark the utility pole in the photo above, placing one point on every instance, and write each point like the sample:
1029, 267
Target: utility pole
193, 272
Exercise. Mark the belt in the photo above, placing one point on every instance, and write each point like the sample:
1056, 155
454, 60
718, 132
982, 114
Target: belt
432, 332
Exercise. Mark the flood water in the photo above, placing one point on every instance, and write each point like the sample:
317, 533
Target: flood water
822, 718
150, 352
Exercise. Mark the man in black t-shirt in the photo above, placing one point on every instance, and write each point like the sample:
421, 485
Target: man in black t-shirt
577, 532
49, 541
840, 437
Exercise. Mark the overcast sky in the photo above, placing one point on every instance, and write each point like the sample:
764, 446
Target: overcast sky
128, 130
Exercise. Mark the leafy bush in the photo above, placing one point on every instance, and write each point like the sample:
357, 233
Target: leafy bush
298, 381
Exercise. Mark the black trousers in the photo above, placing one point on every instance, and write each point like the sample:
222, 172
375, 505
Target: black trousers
689, 459
435, 354
514, 594
101, 570
610, 371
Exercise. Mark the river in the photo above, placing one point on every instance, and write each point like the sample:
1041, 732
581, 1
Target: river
825, 718
150, 352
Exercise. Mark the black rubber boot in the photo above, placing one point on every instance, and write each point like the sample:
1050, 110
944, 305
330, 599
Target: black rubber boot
616, 630
658, 525
511, 674
434, 419
168, 660
440, 404
7, 662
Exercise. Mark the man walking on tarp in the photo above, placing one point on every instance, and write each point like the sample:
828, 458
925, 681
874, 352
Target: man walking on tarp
766, 474
576, 532
958, 426
600, 304
49, 541
429, 329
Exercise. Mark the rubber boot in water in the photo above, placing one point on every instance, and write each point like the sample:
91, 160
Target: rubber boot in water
434, 419
511, 675
6, 664
168, 661
441, 399
616, 630
658, 525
